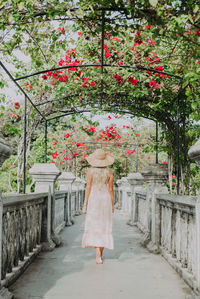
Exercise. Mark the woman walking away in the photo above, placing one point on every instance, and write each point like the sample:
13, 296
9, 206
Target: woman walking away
99, 204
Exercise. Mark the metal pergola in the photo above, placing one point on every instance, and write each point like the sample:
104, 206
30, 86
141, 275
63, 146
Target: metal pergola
102, 65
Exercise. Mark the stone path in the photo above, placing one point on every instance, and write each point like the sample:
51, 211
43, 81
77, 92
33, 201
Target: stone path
129, 271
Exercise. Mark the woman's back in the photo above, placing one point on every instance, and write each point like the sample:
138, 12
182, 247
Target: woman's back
100, 176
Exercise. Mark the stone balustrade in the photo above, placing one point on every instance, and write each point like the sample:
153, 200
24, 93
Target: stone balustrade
170, 224
32, 222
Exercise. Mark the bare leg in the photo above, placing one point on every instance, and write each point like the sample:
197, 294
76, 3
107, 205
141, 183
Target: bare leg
98, 256
101, 250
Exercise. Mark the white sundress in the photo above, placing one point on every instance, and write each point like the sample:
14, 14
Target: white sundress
98, 221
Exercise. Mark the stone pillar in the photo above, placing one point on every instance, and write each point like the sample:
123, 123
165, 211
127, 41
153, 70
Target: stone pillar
5, 151
65, 181
194, 154
125, 187
136, 180
45, 175
156, 176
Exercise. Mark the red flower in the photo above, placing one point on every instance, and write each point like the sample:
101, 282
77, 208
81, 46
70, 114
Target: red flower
198, 32
198, 62
107, 54
44, 77
148, 157
136, 134
132, 80
154, 84
52, 82
80, 33
109, 117
159, 68
30, 86
84, 85
61, 62
116, 116
67, 135
54, 155
55, 142
62, 30
164, 162
147, 27
16, 105
121, 63
92, 83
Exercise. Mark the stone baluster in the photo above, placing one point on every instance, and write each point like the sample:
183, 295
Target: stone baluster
155, 175
44, 175
136, 180
65, 181
77, 183
119, 205
194, 154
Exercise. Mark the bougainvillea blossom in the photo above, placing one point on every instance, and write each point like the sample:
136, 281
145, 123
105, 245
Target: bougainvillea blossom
16, 105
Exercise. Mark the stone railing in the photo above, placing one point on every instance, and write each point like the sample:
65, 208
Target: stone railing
32, 222
177, 238
24, 227
170, 223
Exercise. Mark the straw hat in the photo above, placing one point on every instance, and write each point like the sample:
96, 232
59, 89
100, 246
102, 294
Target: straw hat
100, 158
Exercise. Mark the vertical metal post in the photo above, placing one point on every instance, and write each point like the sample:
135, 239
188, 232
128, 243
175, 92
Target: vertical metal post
24, 166
156, 142
178, 145
102, 52
45, 141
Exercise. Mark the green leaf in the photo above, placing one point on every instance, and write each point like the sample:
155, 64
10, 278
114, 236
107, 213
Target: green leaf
153, 2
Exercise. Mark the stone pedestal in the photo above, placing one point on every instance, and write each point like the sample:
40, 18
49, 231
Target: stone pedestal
44, 175
136, 180
5, 151
65, 181
156, 176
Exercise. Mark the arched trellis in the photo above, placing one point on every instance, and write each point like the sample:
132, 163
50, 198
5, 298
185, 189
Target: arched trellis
101, 65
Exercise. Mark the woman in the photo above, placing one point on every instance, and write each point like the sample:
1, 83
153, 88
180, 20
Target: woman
99, 204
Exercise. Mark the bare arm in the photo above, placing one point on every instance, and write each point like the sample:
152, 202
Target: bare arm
111, 189
87, 191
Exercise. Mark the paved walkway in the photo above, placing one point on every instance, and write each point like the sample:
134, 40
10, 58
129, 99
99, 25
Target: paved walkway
129, 271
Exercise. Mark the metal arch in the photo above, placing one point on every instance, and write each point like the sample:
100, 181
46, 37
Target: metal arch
98, 65
102, 65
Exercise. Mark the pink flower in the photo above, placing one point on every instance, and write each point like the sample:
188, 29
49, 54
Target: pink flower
67, 135
109, 117
148, 157
92, 83
55, 142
